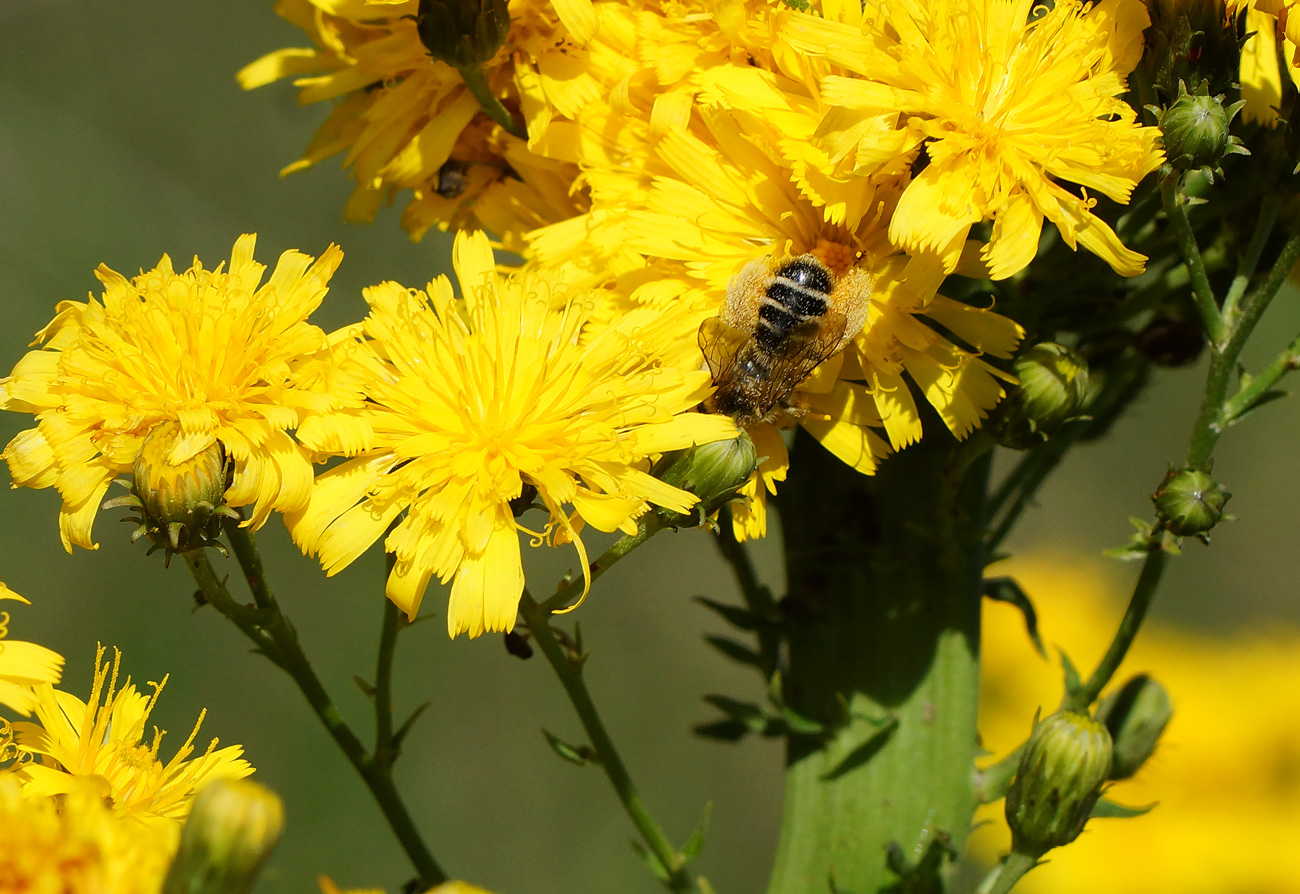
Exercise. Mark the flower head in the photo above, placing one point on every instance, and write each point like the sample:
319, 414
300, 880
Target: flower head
77, 844
408, 120
23, 665
101, 741
1003, 100
456, 406
211, 351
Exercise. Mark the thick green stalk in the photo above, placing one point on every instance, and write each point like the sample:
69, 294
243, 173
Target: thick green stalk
884, 613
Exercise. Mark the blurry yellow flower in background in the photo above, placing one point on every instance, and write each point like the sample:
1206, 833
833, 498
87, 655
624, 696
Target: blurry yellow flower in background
210, 350
23, 665
1003, 101
459, 407
408, 121
76, 844
100, 741
327, 886
1226, 774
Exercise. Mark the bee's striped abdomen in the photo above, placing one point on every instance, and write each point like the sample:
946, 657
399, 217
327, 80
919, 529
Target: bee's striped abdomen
799, 291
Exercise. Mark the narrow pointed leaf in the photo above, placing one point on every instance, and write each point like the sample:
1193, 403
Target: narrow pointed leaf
1105, 809
574, 754
695, 845
1008, 590
735, 651
734, 615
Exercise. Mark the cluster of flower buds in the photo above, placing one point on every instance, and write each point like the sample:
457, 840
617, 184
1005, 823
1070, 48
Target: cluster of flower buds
1053, 389
1193, 41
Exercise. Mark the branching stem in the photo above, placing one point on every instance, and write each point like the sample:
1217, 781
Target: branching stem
648, 525
537, 618
274, 636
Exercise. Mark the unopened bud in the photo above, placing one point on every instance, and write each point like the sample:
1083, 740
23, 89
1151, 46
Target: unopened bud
1189, 502
714, 472
1196, 130
179, 504
231, 830
462, 33
1053, 388
1066, 761
1135, 714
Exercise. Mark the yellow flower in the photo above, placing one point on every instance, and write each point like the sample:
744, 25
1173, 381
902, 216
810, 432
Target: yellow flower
695, 178
210, 350
101, 741
1224, 776
459, 407
1267, 22
23, 665
1004, 102
327, 886
408, 121
77, 845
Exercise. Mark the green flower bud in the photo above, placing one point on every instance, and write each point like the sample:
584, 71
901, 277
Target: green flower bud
714, 472
1196, 130
1066, 760
1135, 714
1189, 502
462, 33
179, 504
1191, 41
1053, 388
231, 830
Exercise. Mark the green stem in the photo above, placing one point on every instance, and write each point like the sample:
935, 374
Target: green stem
275, 637
1147, 582
1246, 265
1003, 877
1202, 293
883, 621
648, 525
385, 746
1215, 414
477, 84
758, 598
1258, 385
992, 782
570, 674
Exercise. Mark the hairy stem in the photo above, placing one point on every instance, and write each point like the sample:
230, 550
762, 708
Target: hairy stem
570, 674
477, 84
1003, 877
648, 525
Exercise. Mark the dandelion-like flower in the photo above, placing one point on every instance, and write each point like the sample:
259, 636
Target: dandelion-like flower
722, 130
101, 741
409, 121
1005, 101
23, 665
77, 844
211, 351
459, 407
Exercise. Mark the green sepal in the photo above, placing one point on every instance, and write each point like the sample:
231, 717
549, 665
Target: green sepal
574, 754
734, 615
1107, 809
735, 651
695, 844
366, 689
1072, 682
1008, 590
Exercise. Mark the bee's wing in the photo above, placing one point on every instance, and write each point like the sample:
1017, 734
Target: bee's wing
719, 343
809, 344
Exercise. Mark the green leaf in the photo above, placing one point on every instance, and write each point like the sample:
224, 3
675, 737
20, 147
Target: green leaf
1071, 673
366, 689
695, 845
734, 615
748, 713
574, 754
405, 728
735, 651
801, 725
1106, 809
651, 862
1265, 398
722, 730
1008, 590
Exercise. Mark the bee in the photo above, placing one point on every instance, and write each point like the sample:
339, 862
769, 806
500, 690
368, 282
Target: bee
780, 321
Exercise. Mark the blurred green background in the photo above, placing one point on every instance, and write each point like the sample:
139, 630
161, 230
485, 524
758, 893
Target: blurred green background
122, 136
